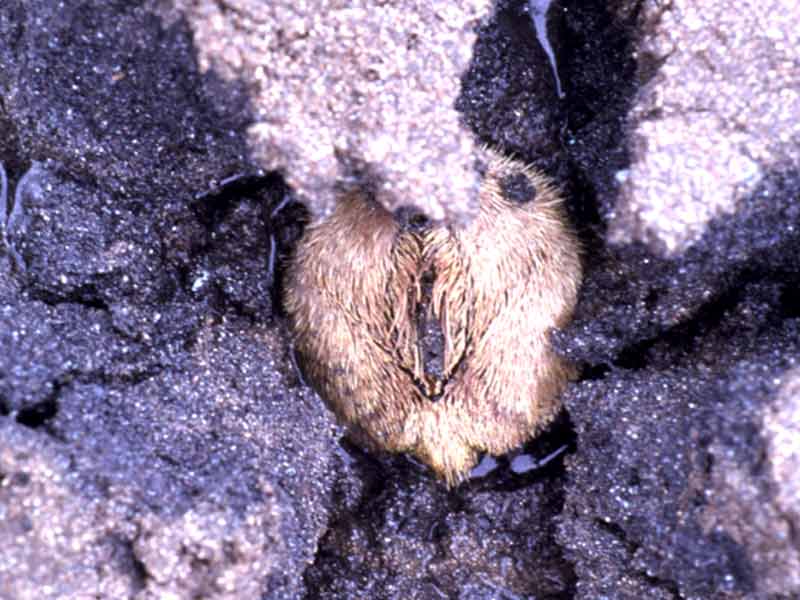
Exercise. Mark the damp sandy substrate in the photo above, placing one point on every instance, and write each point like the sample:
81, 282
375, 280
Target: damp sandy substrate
155, 439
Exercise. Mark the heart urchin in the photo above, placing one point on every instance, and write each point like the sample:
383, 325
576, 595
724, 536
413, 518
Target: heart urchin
433, 340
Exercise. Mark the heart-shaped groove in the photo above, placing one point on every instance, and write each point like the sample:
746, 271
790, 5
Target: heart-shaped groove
434, 340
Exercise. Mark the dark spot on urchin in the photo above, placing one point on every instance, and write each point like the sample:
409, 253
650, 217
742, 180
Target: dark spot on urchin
411, 218
518, 188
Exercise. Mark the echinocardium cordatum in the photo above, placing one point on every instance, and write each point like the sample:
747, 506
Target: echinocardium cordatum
434, 339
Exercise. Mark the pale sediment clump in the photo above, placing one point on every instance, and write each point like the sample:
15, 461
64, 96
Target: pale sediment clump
361, 285
690, 167
335, 85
